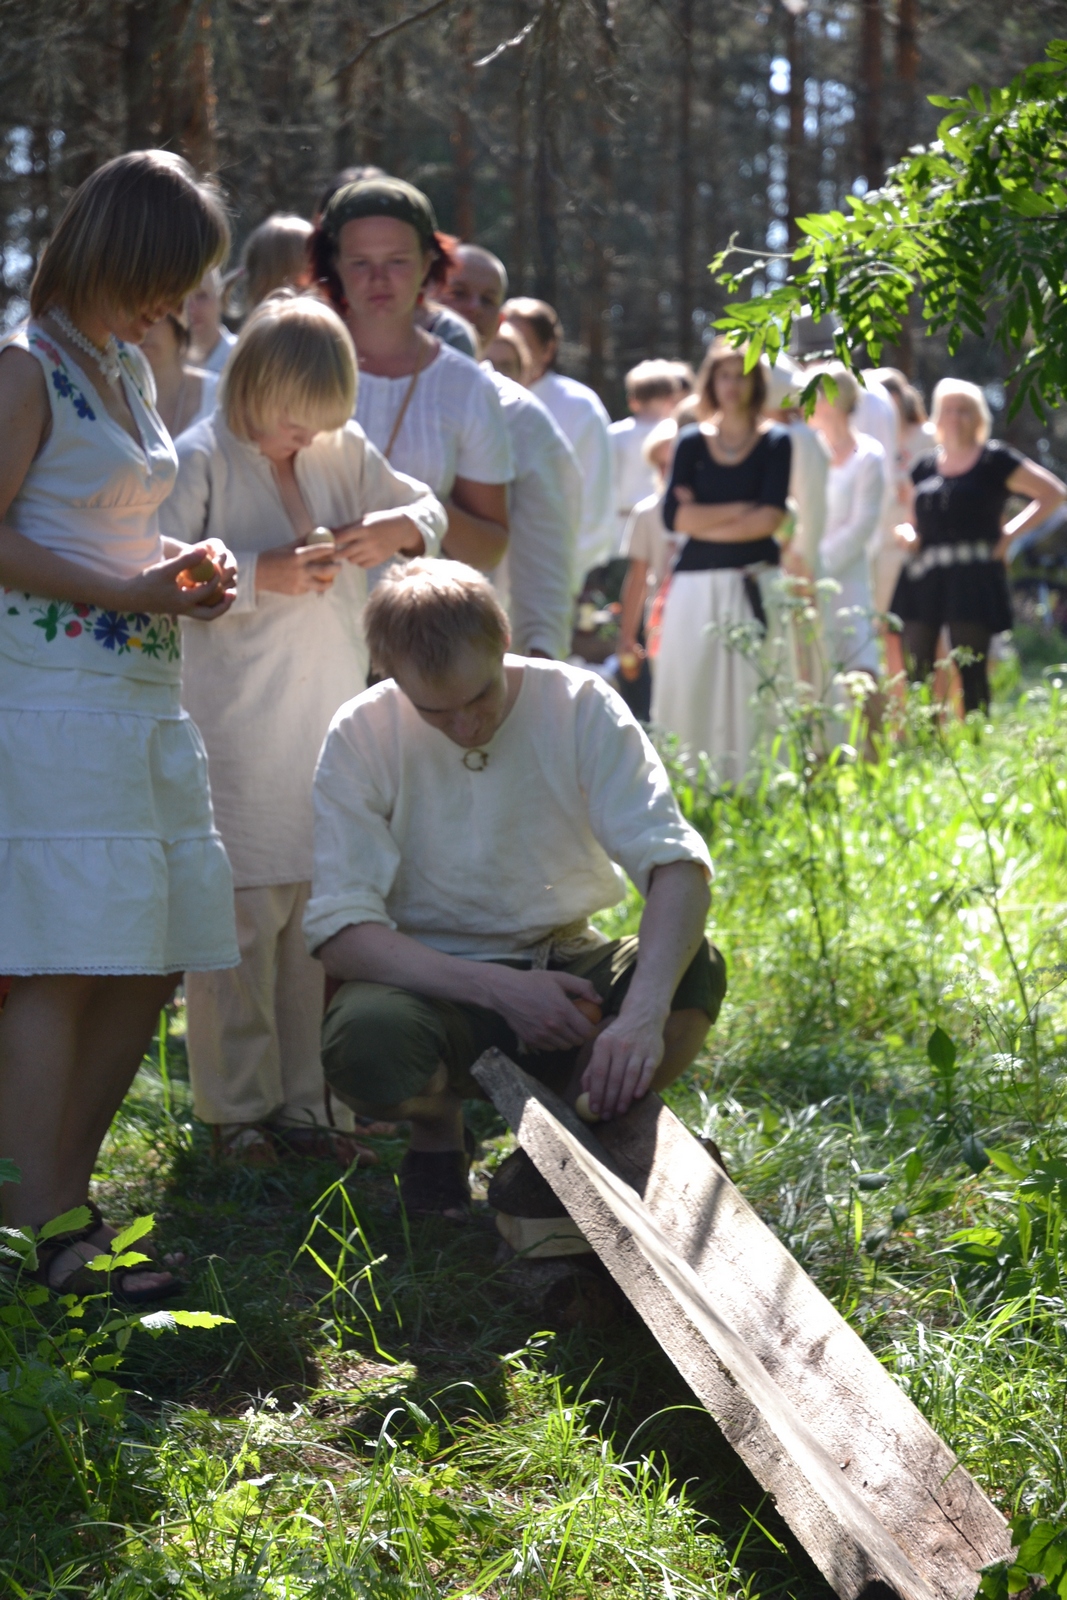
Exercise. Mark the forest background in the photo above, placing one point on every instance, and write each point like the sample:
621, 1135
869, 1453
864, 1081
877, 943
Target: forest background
605, 149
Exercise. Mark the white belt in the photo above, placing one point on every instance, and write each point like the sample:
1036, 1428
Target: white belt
948, 555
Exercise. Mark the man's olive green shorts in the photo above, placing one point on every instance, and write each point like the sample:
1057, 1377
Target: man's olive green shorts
382, 1045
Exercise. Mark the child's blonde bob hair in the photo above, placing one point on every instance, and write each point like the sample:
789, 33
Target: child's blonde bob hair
136, 236
846, 386
294, 360
960, 388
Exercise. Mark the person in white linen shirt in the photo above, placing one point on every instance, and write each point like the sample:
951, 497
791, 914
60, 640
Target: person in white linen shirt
653, 389
184, 393
537, 577
275, 462
471, 814
855, 497
650, 549
582, 416
212, 341
808, 473
432, 412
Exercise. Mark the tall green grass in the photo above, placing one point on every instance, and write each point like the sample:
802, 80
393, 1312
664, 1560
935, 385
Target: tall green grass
383, 1416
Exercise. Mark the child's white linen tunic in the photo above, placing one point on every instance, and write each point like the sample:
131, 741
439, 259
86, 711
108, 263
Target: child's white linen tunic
109, 859
263, 682
491, 862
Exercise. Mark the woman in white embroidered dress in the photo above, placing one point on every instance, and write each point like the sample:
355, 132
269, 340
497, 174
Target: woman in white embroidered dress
432, 412
113, 878
279, 459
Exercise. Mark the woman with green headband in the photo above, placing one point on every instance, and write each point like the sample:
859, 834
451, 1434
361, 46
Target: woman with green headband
433, 413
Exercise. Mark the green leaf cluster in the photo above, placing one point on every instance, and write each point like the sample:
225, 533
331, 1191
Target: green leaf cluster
974, 228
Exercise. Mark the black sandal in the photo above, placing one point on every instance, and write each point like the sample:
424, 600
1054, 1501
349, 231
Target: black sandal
434, 1183
83, 1282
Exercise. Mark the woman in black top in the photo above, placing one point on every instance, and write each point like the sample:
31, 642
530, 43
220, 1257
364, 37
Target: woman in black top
956, 572
727, 492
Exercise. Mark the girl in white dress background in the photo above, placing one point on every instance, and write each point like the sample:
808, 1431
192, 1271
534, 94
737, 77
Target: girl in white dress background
855, 496
113, 879
279, 459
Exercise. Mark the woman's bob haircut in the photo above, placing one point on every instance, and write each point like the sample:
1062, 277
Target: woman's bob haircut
719, 353
960, 389
136, 236
294, 359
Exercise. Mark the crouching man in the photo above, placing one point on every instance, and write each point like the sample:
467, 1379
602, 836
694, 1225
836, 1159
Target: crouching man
472, 811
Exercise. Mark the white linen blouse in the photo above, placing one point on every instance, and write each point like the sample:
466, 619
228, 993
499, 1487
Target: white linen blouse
453, 427
536, 578
263, 681
491, 863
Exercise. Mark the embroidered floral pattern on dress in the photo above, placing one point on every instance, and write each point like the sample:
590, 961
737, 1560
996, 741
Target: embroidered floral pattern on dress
122, 632
62, 382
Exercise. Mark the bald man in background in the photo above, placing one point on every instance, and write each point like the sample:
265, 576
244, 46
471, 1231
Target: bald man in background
538, 576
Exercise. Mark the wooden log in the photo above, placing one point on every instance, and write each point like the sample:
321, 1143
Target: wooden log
876, 1498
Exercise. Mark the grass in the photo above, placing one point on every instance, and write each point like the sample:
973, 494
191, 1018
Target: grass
384, 1415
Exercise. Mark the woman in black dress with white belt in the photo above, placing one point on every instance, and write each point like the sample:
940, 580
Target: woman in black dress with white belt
956, 572
727, 492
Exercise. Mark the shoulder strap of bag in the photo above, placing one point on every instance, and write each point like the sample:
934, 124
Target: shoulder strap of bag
402, 413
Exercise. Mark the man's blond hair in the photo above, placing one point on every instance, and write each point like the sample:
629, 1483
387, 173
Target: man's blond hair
294, 359
422, 614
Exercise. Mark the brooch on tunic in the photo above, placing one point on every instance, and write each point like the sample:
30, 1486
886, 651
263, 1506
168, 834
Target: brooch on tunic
475, 760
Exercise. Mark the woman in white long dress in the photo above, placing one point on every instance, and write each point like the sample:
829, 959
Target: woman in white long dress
278, 460
432, 412
728, 490
113, 878
855, 498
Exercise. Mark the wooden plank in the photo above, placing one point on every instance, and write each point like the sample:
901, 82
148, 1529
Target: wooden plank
894, 1460
644, 1242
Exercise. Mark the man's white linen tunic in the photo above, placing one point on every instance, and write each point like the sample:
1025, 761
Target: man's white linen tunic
263, 682
490, 863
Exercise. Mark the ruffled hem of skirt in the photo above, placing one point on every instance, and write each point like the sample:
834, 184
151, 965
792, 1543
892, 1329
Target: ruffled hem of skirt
116, 907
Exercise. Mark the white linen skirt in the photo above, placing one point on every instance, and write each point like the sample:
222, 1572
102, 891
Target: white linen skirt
704, 689
110, 862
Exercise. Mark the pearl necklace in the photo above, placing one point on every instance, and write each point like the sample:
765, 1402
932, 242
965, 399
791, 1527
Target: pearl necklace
106, 359
729, 451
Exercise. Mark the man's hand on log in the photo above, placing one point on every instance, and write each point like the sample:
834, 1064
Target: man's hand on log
623, 1064
540, 1007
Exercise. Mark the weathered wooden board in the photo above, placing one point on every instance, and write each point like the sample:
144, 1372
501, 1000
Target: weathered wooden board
872, 1493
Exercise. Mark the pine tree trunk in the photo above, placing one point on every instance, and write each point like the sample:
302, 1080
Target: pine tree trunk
462, 142
795, 148
137, 76
684, 247
544, 164
872, 154
599, 264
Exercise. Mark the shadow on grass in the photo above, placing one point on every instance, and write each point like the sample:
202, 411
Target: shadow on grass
391, 1309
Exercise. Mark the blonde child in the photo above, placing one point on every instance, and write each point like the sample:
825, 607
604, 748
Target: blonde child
280, 461
648, 546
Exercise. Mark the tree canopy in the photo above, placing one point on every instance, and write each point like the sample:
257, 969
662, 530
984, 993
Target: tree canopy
973, 228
